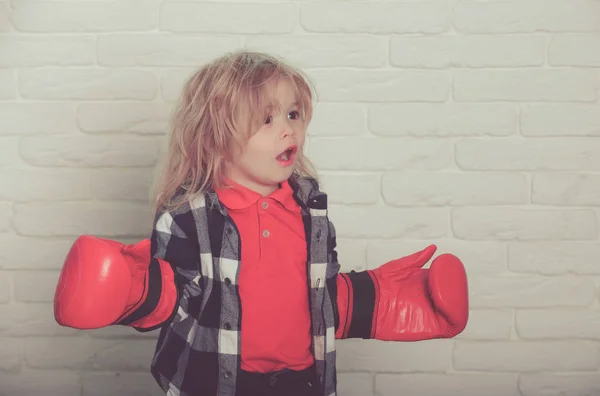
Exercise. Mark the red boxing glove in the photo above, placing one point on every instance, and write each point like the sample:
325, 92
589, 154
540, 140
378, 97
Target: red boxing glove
105, 282
400, 301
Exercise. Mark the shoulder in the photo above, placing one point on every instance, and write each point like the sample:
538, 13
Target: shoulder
306, 186
179, 209
183, 201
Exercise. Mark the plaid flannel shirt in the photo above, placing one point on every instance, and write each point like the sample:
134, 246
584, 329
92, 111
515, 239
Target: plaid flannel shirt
198, 349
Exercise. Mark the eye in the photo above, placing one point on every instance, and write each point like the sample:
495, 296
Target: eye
268, 120
294, 115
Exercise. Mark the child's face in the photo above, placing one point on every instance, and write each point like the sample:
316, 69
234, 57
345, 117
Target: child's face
264, 162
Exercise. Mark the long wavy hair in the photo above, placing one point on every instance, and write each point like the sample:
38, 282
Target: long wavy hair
207, 125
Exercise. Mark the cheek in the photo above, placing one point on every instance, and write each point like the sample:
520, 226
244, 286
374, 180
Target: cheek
300, 138
258, 151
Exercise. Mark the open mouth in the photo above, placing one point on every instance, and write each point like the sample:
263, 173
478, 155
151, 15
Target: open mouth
287, 155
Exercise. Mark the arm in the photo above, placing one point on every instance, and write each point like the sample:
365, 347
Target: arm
174, 243
105, 282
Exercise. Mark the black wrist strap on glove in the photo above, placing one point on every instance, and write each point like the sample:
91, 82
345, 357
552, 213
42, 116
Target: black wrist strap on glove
363, 299
151, 296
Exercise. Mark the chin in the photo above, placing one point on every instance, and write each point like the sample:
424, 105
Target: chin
277, 180
288, 173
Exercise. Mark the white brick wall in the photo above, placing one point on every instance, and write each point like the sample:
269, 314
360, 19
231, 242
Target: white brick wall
468, 123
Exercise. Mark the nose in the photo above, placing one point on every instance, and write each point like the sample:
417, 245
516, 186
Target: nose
286, 130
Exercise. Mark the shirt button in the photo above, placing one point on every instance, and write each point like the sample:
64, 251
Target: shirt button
266, 233
227, 374
265, 205
227, 326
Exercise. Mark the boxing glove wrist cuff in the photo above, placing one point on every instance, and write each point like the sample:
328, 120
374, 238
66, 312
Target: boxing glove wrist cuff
362, 301
157, 301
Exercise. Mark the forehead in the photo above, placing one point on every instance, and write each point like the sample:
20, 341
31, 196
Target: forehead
280, 93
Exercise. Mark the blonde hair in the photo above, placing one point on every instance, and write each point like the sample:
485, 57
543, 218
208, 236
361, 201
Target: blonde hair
206, 125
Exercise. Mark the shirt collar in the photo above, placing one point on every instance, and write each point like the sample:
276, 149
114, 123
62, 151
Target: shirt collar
235, 196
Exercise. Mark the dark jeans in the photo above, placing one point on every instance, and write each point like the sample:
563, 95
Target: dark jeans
280, 383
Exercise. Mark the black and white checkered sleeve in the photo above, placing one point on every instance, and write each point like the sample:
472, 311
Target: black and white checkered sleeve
174, 241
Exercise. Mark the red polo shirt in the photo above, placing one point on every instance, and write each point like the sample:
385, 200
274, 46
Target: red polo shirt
273, 279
